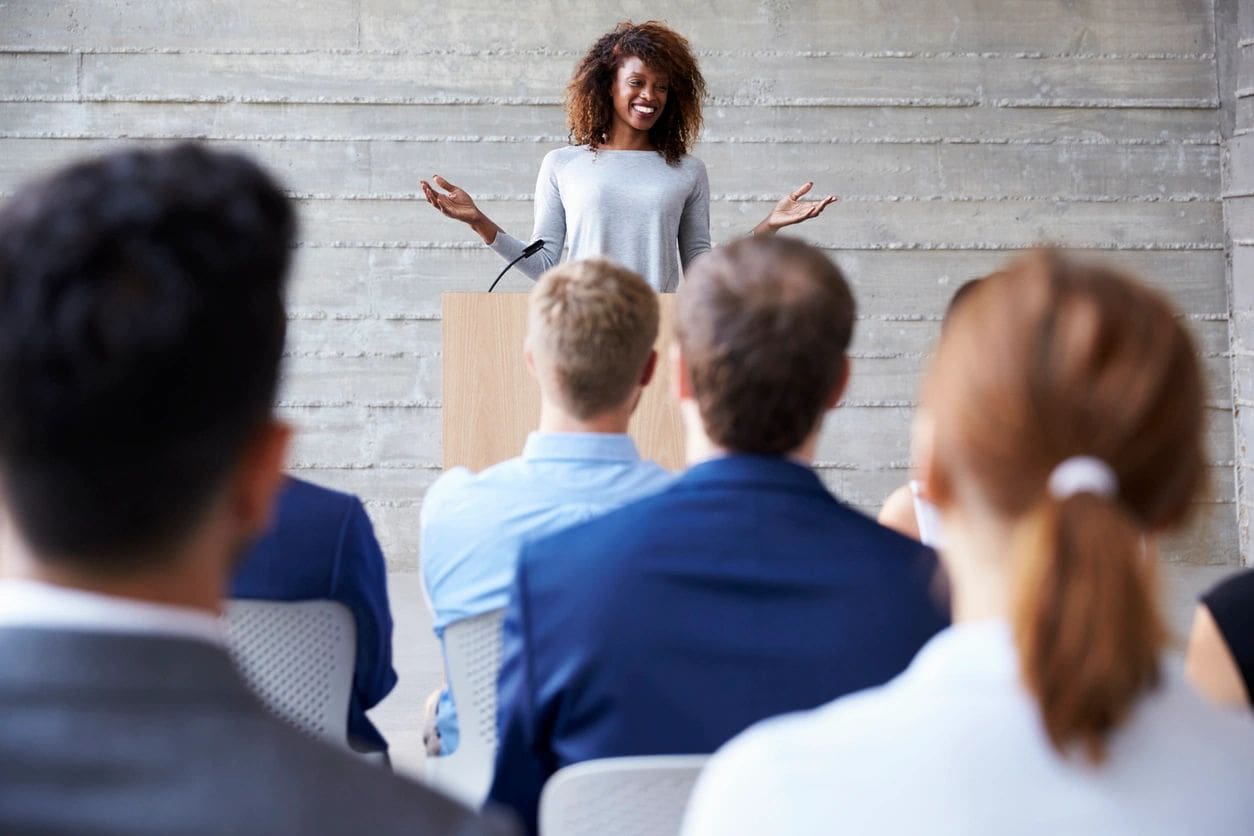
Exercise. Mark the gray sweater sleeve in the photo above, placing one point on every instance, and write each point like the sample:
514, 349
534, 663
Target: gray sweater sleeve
694, 225
550, 225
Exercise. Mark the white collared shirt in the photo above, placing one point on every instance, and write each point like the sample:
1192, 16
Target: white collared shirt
955, 745
27, 603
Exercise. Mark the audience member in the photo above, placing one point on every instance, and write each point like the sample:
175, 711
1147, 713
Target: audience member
591, 330
1062, 417
907, 509
743, 590
141, 325
1220, 660
321, 546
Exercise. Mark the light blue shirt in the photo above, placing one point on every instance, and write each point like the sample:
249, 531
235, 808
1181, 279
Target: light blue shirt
473, 525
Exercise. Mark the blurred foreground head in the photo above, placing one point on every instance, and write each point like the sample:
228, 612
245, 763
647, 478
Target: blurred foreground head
141, 326
1046, 361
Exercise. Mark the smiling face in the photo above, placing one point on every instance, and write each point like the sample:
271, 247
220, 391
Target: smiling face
639, 96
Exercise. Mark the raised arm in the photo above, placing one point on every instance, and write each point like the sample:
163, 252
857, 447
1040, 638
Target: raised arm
793, 210
550, 226
455, 203
550, 220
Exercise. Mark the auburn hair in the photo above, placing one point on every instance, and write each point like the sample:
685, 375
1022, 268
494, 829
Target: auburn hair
1045, 360
589, 104
764, 324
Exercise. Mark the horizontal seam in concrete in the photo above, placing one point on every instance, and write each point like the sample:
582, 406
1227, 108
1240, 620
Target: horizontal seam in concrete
723, 101
389, 405
758, 197
61, 49
919, 317
360, 355
1209, 200
506, 139
366, 317
1101, 246
823, 464
1160, 104
363, 404
314, 465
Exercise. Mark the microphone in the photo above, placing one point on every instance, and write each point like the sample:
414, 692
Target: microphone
528, 251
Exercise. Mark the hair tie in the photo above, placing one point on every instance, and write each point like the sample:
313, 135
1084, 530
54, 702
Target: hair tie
1082, 474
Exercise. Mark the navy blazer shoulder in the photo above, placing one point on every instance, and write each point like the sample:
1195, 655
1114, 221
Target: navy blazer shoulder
322, 546
742, 591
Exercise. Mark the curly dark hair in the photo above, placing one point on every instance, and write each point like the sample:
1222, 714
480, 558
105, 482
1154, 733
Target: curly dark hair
590, 108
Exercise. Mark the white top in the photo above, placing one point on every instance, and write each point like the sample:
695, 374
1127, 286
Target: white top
628, 206
25, 603
954, 745
926, 516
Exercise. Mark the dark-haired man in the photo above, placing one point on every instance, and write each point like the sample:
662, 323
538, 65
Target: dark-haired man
742, 591
141, 325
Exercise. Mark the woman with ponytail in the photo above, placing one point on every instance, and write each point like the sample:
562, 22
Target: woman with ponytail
1061, 420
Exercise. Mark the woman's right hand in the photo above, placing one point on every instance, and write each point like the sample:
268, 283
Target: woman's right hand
456, 204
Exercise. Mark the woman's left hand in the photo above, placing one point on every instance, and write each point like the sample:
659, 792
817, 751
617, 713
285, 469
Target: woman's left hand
793, 210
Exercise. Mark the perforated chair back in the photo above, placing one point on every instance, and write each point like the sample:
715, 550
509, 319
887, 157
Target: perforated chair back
298, 657
638, 796
472, 660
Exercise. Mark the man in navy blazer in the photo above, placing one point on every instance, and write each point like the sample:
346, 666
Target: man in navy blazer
745, 589
322, 546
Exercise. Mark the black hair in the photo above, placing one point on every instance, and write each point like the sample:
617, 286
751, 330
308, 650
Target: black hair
141, 328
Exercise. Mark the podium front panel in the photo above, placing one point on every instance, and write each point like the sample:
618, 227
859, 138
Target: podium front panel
491, 401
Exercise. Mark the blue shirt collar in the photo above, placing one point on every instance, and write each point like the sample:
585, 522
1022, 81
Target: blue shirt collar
604, 447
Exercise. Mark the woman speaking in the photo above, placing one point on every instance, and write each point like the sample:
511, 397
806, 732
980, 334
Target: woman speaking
627, 188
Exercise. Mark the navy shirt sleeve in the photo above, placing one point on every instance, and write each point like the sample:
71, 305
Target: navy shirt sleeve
1231, 603
360, 583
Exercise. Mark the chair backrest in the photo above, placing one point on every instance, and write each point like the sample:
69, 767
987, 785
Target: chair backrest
298, 657
472, 660
640, 796
472, 650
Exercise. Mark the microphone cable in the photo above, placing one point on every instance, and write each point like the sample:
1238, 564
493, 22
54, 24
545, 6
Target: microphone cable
528, 251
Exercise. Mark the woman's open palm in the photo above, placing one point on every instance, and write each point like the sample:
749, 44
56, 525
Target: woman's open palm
453, 202
793, 210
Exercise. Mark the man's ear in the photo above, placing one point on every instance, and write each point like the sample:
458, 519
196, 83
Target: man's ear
681, 380
527, 355
650, 367
842, 383
259, 478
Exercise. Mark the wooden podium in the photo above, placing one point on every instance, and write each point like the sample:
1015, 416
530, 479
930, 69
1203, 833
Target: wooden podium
491, 401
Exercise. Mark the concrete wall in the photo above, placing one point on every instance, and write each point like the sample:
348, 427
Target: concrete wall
1237, 92
955, 131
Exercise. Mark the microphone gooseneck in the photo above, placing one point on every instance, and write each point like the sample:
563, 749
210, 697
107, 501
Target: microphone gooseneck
528, 251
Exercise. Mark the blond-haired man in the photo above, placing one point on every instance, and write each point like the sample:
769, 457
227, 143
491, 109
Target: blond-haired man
590, 336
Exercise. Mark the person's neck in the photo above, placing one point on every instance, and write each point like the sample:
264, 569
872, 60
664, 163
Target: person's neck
978, 558
185, 581
554, 419
699, 447
626, 138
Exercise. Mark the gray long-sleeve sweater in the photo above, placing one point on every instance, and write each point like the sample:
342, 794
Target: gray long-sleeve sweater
629, 206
